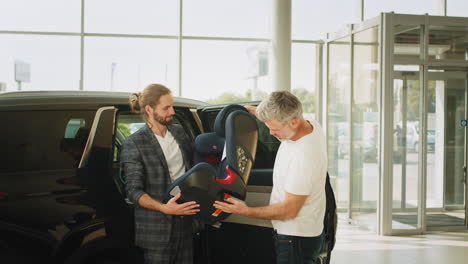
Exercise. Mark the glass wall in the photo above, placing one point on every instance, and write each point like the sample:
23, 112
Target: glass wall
215, 71
435, 141
365, 127
304, 75
353, 125
455, 138
406, 127
312, 19
222, 59
128, 64
406, 97
419, 116
446, 137
214, 18
448, 43
457, 8
338, 127
155, 17
129, 27
32, 15
445, 149
373, 8
48, 62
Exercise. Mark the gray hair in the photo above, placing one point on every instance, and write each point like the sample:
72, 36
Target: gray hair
280, 106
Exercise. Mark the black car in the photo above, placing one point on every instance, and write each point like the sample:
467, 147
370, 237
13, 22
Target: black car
62, 198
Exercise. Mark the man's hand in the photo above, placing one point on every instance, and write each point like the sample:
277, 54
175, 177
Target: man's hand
287, 209
173, 208
233, 206
252, 109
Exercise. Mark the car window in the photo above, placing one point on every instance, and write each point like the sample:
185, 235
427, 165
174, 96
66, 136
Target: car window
73, 126
208, 119
43, 140
129, 123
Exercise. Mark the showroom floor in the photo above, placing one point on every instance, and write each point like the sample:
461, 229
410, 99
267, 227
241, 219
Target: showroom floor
355, 245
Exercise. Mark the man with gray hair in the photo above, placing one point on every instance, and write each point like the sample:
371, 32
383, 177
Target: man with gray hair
297, 203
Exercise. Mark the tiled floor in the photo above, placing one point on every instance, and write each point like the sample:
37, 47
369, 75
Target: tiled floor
355, 245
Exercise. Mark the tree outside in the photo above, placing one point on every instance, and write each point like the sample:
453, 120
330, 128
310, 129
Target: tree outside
307, 98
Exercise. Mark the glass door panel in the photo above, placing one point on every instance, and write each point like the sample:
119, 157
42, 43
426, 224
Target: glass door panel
448, 43
446, 186
406, 88
365, 129
338, 131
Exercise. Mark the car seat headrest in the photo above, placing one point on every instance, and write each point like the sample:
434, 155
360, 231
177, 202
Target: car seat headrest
220, 121
209, 143
241, 142
208, 148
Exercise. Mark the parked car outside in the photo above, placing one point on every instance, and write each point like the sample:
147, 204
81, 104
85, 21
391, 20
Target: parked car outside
412, 136
62, 194
365, 140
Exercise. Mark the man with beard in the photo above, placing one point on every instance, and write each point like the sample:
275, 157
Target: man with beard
297, 203
152, 158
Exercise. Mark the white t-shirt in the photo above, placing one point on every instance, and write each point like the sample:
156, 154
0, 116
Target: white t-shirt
301, 168
173, 155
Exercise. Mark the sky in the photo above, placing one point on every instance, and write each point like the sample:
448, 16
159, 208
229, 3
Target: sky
209, 67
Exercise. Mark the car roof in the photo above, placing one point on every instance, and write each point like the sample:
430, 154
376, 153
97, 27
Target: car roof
75, 99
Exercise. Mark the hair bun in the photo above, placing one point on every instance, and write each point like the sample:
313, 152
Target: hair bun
134, 96
134, 99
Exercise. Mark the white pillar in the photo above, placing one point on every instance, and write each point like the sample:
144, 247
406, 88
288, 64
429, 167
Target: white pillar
441, 7
281, 45
179, 53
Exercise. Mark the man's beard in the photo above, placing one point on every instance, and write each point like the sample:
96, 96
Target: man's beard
161, 120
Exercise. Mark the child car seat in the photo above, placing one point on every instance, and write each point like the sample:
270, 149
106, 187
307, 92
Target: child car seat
208, 182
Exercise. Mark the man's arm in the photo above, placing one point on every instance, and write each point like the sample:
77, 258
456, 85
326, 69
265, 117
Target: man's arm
252, 109
171, 207
133, 170
287, 209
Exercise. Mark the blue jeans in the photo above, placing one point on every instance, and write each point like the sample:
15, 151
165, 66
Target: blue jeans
297, 250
